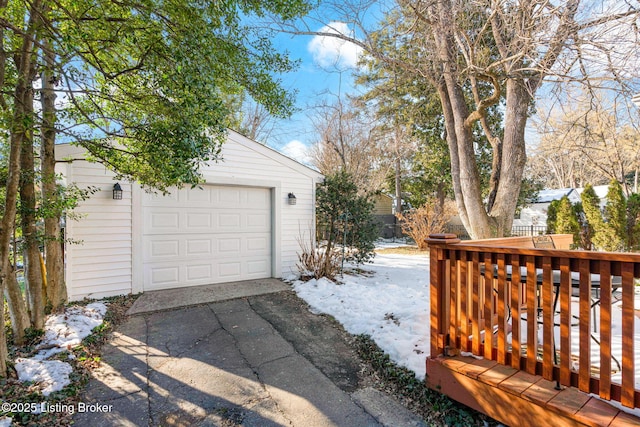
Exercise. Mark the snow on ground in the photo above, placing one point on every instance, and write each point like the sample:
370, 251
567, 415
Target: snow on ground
52, 375
392, 243
389, 302
62, 332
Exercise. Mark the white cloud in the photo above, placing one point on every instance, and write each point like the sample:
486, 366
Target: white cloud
331, 51
297, 150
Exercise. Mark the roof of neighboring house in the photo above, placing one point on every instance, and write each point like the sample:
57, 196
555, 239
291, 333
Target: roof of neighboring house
547, 196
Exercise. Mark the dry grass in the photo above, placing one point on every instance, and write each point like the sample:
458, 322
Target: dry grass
403, 250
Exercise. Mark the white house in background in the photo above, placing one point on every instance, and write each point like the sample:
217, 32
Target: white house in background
241, 224
535, 213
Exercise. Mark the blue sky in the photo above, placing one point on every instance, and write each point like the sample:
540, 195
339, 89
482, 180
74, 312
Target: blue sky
325, 72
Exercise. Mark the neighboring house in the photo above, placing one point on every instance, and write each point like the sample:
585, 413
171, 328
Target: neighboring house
535, 213
383, 204
240, 224
383, 211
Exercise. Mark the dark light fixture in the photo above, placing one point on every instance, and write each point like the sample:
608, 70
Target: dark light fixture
292, 199
117, 191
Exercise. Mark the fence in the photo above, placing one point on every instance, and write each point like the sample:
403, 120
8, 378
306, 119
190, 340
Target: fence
527, 230
548, 312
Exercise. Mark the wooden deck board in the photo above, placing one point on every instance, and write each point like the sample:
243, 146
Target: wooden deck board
518, 398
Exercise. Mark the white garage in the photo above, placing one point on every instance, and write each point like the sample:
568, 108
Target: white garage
239, 225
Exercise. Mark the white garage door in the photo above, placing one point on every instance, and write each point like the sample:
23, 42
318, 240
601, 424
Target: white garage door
211, 234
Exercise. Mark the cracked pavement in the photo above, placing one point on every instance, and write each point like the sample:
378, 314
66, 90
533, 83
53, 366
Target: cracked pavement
255, 361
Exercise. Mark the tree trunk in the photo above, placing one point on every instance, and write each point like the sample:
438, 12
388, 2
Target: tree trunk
464, 170
31, 246
19, 125
396, 231
17, 308
513, 156
56, 291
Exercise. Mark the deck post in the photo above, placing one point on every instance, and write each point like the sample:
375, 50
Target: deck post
438, 287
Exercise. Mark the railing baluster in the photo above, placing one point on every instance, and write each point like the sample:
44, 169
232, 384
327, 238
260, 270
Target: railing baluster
548, 347
516, 290
464, 302
628, 362
453, 301
532, 316
475, 325
501, 283
605, 330
565, 322
488, 306
584, 370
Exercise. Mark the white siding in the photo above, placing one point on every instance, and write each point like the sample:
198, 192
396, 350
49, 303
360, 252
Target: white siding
100, 263
110, 261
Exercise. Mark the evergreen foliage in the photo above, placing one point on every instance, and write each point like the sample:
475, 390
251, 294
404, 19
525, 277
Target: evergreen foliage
552, 214
344, 216
567, 220
591, 207
633, 222
615, 216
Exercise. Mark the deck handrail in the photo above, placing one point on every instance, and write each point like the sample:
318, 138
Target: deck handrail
559, 287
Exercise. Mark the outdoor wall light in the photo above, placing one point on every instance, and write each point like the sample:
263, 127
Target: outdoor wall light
117, 191
292, 199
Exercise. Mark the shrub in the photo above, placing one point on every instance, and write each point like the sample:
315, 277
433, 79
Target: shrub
316, 261
345, 218
427, 219
566, 221
615, 215
633, 222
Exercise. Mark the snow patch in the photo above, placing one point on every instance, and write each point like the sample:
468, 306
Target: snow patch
51, 375
62, 332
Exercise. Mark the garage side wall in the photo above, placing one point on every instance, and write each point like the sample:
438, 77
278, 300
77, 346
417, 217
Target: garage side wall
98, 252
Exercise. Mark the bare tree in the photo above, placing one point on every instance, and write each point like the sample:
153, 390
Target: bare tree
481, 53
590, 141
348, 140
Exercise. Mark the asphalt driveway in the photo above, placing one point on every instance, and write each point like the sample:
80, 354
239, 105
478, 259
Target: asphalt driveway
250, 358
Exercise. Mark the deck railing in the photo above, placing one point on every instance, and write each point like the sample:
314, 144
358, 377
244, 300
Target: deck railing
548, 312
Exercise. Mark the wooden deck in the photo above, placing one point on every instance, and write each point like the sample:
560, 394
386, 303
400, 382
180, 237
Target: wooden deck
478, 287
517, 398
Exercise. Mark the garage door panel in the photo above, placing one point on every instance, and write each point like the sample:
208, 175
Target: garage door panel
164, 275
258, 220
257, 244
198, 220
209, 235
229, 245
198, 195
164, 248
229, 220
230, 269
257, 267
199, 247
231, 196
164, 220
198, 272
